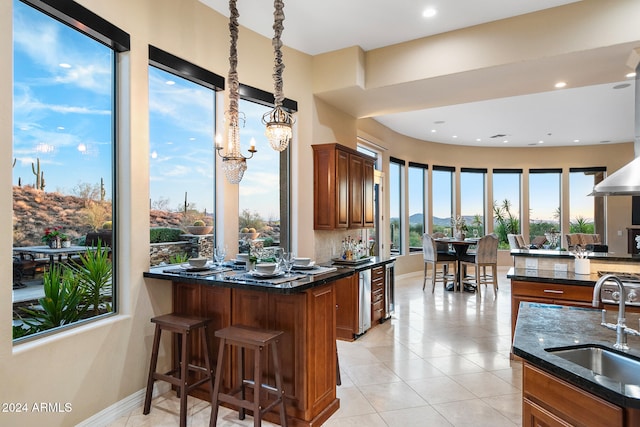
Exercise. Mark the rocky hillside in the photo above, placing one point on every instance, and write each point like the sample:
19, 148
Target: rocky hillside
34, 210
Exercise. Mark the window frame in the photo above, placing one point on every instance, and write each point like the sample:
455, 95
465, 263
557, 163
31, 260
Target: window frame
100, 30
424, 169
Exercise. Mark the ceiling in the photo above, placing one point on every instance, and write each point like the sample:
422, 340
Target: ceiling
590, 114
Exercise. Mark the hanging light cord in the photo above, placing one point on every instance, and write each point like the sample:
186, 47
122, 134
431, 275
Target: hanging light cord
234, 85
278, 27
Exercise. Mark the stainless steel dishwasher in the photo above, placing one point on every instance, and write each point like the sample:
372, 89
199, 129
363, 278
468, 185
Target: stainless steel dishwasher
364, 293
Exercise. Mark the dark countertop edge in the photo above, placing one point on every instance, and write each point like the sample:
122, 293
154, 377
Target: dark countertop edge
548, 253
550, 276
301, 285
532, 350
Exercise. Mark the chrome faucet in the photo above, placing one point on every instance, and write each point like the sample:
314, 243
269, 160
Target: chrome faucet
620, 327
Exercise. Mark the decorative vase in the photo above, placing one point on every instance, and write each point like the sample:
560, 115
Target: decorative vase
65, 244
460, 235
54, 243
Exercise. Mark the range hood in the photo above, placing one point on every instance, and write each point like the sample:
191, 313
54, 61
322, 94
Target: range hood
623, 182
626, 180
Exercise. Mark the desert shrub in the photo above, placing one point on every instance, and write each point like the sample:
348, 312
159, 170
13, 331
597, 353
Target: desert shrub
165, 234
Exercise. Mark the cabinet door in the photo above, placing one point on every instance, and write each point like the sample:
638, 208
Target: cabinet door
535, 416
342, 189
356, 191
368, 208
347, 307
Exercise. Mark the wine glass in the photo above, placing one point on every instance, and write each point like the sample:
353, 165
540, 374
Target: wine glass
475, 233
277, 255
288, 259
219, 254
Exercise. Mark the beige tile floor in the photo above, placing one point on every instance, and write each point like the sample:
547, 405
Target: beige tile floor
442, 360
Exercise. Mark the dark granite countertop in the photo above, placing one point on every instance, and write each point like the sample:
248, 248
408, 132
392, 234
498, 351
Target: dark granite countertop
542, 326
548, 253
551, 276
290, 287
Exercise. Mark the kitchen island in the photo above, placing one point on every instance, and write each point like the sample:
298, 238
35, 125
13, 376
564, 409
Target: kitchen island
557, 391
303, 307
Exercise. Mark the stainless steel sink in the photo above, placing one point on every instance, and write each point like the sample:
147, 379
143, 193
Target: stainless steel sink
611, 368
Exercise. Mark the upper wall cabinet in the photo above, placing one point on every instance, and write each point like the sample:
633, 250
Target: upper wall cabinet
343, 188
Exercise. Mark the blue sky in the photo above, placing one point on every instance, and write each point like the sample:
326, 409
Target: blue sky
62, 103
62, 115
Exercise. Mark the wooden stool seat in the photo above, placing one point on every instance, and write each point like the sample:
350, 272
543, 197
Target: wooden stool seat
256, 340
182, 326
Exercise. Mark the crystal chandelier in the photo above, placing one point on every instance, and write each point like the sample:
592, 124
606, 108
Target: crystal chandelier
278, 121
233, 162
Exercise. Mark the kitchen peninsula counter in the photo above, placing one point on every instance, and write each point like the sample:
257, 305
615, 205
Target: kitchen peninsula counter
550, 381
304, 309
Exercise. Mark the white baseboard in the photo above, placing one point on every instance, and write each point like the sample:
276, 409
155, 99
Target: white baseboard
123, 407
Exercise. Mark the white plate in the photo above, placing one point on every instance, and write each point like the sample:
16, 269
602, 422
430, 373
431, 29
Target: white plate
189, 267
276, 273
309, 266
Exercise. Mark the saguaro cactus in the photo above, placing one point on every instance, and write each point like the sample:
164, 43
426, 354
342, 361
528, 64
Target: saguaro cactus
103, 192
38, 173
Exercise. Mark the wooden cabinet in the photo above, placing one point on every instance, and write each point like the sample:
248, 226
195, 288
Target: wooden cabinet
550, 401
377, 294
307, 349
548, 293
347, 308
343, 188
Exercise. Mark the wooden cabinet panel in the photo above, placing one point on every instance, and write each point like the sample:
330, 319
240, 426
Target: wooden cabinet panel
321, 347
536, 416
561, 402
368, 208
347, 307
356, 191
343, 188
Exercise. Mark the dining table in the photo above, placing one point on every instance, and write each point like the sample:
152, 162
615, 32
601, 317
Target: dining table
460, 248
53, 254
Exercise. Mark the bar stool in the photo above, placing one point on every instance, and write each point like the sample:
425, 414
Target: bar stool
182, 326
254, 339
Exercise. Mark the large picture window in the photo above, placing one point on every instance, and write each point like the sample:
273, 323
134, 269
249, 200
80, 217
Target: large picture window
587, 213
472, 183
442, 194
182, 158
506, 204
417, 205
396, 212
63, 167
544, 205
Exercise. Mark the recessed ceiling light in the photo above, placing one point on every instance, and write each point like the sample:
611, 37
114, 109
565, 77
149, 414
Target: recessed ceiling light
433, 131
65, 65
560, 85
429, 12
630, 75
541, 142
576, 140
454, 136
478, 139
505, 141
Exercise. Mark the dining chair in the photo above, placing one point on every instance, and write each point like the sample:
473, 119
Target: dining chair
486, 256
433, 258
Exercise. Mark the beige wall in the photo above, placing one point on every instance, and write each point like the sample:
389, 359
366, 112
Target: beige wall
99, 364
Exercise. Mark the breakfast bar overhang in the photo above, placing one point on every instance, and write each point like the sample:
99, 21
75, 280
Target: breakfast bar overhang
305, 310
